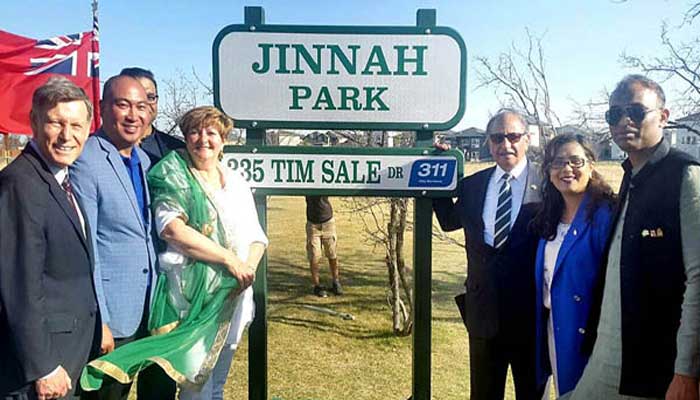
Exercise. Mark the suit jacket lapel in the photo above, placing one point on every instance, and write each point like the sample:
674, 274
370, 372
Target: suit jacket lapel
57, 192
532, 185
478, 211
115, 160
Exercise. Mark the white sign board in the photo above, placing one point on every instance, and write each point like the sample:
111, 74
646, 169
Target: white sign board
354, 77
346, 173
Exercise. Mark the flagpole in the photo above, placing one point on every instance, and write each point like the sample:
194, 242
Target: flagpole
95, 47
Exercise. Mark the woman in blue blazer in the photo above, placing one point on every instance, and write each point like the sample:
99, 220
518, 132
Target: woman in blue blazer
573, 224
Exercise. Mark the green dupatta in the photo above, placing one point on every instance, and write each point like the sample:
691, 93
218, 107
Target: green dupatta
192, 307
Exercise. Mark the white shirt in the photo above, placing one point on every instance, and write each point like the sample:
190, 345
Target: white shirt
551, 253
240, 220
517, 188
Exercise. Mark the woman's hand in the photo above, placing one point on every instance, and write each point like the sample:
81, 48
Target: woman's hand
244, 273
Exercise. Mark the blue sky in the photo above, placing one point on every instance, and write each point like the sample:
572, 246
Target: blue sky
582, 39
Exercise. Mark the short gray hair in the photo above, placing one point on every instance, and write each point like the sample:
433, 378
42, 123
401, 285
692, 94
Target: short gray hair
57, 90
624, 87
500, 114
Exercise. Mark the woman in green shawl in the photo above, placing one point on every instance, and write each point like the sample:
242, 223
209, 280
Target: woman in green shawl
203, 300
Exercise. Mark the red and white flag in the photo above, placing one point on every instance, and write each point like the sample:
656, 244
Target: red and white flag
26, 64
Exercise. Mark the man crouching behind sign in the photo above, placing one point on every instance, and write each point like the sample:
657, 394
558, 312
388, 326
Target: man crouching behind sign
203, 300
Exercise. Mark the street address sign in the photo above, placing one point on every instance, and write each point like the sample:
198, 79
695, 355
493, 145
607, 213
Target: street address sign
340, 77
348, 171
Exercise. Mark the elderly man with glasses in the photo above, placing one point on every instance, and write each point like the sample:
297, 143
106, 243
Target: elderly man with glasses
494, 207
648, 308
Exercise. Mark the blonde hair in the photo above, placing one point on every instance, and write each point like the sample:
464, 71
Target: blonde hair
202, 117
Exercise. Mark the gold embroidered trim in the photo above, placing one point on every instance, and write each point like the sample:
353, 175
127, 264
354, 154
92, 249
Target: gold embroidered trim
112, 370
165, 328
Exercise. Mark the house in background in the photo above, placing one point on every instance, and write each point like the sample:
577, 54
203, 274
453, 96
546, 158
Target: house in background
685, 139
472, 142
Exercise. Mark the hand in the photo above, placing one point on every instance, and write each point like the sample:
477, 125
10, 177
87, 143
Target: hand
682, 388
58, 384
107, 345
244, 274
441, 146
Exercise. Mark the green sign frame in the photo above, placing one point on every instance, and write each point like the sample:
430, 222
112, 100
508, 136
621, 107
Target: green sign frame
345, 30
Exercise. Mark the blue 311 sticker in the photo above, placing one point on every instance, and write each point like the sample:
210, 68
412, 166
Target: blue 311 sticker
432, 173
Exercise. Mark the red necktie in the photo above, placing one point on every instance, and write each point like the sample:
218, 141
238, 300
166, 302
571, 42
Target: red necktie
69, 194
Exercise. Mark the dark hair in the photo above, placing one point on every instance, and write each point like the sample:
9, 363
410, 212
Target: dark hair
57, 90
545, 222
624, 88
137, 72
107, 88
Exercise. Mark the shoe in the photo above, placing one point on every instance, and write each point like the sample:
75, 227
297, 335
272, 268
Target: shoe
337, 289
320, 292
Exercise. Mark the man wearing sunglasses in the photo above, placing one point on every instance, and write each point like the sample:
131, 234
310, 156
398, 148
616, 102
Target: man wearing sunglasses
648, 309
494, 207
155, 143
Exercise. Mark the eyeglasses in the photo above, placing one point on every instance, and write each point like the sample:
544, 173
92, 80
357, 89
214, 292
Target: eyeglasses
151, 97
498, 138
573, 162
636, 112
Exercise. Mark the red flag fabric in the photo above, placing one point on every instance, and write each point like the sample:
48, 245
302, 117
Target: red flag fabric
26, 64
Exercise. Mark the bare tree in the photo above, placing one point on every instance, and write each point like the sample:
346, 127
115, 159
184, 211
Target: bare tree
519, 79
590, 117
179, 95
182, 93
385, 223
679, 61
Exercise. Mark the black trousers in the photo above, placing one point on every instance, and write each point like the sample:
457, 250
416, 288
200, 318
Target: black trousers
153, 382
488, 366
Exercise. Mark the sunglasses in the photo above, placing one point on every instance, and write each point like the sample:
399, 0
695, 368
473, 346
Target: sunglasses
498, 138
636, 112
573, 162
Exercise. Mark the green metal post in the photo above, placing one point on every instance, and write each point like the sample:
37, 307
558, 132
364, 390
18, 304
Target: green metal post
422, 263
257, 334
422, 284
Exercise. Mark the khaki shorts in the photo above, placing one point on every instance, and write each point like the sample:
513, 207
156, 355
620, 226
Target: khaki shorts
318, 236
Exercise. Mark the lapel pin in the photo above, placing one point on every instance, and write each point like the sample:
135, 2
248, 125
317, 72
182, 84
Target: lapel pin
645, 233
659, 232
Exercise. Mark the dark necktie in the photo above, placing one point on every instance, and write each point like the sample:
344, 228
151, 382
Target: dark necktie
502, 227
68, 188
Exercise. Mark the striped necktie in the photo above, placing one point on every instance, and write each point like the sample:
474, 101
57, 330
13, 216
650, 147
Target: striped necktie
502, 227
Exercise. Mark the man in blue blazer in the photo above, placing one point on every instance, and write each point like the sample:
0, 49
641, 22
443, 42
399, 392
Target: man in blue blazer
494, 207
110, 180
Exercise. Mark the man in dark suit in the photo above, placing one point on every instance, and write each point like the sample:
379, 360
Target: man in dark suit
494, 207
155, 143
48, 326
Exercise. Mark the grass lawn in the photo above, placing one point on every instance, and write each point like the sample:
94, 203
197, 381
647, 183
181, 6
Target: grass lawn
316, 356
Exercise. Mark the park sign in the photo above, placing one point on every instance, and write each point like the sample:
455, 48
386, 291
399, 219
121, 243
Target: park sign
340, 77
349, 171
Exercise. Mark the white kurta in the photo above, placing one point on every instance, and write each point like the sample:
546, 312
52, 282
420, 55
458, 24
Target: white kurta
240, 220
